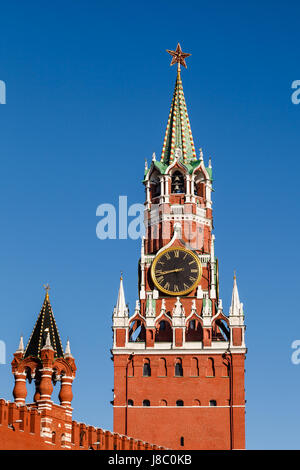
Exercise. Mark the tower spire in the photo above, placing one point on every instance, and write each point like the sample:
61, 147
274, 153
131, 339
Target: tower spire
236, 307
45, 331
121, 307
178, 133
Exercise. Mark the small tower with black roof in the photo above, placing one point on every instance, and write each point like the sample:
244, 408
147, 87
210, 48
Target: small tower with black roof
44, 362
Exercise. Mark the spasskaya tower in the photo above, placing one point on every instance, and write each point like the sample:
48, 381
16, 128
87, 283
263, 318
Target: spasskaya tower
178, 359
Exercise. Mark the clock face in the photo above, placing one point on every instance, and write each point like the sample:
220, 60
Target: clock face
176, 271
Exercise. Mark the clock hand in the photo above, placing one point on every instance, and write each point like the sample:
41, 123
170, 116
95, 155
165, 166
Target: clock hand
171, 271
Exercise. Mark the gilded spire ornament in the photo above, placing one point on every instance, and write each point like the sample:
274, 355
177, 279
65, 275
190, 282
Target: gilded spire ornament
178, 57
47, 288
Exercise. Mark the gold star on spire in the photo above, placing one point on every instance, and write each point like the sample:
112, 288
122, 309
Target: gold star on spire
178, 56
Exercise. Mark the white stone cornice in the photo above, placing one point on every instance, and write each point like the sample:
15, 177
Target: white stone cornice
190, 347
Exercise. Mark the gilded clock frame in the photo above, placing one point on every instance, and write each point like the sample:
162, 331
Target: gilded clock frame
183, 292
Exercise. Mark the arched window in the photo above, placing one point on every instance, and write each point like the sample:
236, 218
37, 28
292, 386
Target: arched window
212, 403
220, 331
130, 402
162, 367
178, 368
225, 370
194, 331
195, 367
210, 370
196, 402
163, 403
179, 403
137, 331
164, 331
146, 368
177, 185
146, 402
155, 185
63, 440
131, 369
53, 437
199, 185
182, 441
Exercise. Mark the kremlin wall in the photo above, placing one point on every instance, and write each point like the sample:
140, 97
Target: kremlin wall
23, 428
44, 425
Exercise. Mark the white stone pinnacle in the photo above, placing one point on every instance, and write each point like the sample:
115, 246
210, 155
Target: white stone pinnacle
48, 342
21, 345
150, 311
236, 307
207, 312
178, 310
121, 307
68, 349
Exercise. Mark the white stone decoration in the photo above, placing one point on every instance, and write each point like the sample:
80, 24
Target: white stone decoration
121, 309
199, 292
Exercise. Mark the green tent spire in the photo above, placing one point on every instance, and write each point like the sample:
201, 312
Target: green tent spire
178, 132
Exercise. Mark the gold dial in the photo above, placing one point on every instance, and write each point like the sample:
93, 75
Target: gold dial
176, 271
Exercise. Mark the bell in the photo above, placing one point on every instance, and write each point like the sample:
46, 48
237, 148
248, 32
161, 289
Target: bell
177, 185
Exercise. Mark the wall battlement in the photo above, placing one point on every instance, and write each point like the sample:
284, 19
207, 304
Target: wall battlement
22, 428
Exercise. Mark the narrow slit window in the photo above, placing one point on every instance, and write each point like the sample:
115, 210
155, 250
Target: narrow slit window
178, 369
146, 368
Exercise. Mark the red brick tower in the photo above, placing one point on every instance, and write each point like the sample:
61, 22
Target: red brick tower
178, 359
44, 362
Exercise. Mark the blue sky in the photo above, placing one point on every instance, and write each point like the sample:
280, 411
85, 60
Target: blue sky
89, 88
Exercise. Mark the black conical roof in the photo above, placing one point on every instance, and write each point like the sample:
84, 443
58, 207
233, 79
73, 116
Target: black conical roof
44, 324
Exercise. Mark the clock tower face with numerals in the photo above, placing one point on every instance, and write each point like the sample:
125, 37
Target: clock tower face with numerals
176, 271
